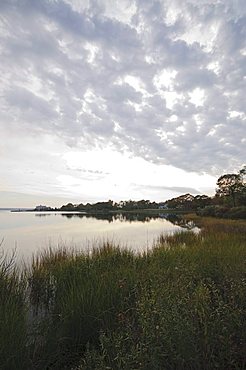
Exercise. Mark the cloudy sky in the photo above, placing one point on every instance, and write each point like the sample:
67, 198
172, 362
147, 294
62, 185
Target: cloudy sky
107, 99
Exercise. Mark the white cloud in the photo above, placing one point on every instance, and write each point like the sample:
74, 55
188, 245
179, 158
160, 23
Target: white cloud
165, 79
160, 80
197, 97
124, 176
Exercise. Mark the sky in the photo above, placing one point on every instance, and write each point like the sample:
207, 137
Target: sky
129, 99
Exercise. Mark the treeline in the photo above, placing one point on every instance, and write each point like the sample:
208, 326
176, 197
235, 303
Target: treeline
229, 201
111, 206
183, 202
189, 202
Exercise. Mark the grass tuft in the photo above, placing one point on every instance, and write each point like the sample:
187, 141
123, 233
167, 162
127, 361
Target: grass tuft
180, 305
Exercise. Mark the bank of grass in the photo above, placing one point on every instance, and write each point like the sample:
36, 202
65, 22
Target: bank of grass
178, 306
13, 316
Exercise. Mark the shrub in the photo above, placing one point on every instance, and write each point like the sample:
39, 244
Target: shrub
237, 213
223, 212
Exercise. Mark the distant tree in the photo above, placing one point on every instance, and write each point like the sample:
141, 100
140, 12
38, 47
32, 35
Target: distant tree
201, 201
230, 185
184, 201
68, 207
80, 207
242, 174
242, 196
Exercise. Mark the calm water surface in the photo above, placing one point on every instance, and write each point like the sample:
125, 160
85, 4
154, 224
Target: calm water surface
30, 232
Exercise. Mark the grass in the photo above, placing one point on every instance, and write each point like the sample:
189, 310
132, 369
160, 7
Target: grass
13, 316
180, 305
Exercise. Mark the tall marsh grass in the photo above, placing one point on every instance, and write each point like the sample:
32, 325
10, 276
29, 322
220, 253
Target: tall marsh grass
180, 305
13, 316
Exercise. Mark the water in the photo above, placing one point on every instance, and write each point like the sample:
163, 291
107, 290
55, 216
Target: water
30, 232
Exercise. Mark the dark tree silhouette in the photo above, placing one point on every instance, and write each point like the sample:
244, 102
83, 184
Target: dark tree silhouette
230, 185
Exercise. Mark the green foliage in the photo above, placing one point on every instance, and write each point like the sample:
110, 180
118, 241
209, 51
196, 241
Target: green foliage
224, 212
189, 311
78, 295
232, 186
13, 317
110, 206
189, 202
178, 306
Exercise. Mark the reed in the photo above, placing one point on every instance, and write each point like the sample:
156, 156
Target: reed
13, 316
179, 305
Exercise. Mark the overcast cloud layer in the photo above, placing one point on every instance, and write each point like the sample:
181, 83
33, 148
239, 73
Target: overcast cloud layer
161, 80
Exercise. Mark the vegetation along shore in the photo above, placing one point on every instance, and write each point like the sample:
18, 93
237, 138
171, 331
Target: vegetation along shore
229, 201
181, 305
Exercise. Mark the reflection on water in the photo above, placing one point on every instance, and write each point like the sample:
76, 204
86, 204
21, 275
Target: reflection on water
126, 217
32, 231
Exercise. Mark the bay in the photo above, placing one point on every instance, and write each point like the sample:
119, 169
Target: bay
29, 232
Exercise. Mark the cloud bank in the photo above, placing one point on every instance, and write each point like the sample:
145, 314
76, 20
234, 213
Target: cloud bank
160, 80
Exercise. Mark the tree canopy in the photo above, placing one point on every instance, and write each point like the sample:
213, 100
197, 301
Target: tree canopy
231, 185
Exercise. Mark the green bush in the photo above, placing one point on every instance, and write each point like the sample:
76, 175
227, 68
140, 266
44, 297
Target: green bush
223, 212
237, 213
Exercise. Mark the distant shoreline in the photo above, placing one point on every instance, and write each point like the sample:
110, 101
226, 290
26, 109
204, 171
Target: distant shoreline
147, 210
